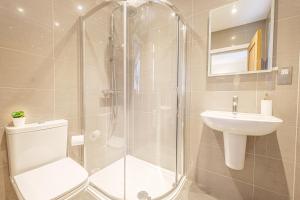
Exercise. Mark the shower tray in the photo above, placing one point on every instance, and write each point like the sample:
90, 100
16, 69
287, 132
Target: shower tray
145, 178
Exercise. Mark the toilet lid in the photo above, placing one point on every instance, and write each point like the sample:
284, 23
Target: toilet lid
51, 181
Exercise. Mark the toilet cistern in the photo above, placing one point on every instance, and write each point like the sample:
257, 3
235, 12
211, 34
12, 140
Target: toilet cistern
235, 100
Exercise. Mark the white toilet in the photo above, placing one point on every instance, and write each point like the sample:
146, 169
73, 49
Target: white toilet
38, 162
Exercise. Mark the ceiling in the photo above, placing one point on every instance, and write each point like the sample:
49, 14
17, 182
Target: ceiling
239, 13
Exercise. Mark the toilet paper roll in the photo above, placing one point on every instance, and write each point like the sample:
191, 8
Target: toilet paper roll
77, 140
266, 107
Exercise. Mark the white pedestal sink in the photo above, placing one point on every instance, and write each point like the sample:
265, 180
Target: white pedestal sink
236, 127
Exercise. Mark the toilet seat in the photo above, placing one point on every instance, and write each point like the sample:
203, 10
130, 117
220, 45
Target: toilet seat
51, 181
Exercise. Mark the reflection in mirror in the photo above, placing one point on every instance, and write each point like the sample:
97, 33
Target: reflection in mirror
241, 37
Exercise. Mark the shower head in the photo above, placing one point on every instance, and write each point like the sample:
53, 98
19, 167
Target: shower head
131, 11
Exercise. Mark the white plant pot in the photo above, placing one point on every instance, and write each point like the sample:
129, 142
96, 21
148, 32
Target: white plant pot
19, 122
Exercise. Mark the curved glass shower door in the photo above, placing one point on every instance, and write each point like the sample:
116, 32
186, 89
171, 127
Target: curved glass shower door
133, 97
103, 97
152, 89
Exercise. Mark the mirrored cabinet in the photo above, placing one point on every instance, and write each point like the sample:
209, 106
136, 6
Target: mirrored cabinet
241, 38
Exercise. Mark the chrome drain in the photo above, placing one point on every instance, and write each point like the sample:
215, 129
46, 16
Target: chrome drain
143, 195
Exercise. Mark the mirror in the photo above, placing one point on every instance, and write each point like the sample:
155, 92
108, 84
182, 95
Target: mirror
241, 38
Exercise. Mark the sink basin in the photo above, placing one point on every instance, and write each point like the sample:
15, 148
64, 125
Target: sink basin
236, 127
241, 123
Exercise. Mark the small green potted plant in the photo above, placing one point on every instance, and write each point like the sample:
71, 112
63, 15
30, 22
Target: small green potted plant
18, 118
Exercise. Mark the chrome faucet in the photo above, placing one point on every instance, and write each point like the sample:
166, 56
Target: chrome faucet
235, 100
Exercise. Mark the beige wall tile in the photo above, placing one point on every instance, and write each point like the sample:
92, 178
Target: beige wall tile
222, 187
261, 194
37, 104
75, 152
297, 182
67, 103
67, 44
200, 31
222, 100
232, 83
6, 190
274, 175
287, 109
279, 145
288, 27
198, 80
212, 159
193, 145
36, 11
266, 81
288, 8
297, 169
3, 150
66, 29
22, 70
67, 74
20, 33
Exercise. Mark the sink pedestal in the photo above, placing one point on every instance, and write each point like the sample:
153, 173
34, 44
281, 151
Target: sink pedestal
235, 149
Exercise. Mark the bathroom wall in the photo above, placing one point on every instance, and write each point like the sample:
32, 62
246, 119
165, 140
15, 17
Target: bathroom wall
39, 67
270, 160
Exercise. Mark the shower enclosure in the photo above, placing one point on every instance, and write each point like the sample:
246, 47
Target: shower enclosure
133, 66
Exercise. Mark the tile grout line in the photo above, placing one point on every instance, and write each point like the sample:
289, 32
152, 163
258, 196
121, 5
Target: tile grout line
22, 52
296, 139
253, 170
254, 142
224, 176
287, 18
53, 59
24, 88
190, 170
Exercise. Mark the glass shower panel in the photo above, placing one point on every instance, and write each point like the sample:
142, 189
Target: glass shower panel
103, 97
152, 108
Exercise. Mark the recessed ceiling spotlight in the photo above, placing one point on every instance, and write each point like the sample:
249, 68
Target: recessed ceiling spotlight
234, 10
21, 10
233, 37
79, 7
173, 14
57, 24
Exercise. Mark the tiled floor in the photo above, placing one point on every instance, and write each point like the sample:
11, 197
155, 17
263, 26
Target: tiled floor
190, 192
